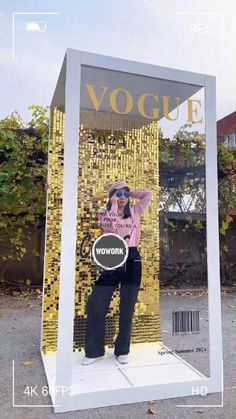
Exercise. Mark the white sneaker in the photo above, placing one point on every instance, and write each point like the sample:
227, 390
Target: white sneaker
87, 361
123, 359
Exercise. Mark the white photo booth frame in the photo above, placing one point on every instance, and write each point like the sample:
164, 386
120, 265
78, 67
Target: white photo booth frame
59, 367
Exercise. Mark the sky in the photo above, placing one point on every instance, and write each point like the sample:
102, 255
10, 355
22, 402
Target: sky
184, 34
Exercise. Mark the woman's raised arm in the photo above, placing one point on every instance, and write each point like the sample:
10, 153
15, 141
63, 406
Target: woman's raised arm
144, 197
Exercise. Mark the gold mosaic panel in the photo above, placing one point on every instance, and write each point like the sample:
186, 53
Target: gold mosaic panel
53, 231
111, 147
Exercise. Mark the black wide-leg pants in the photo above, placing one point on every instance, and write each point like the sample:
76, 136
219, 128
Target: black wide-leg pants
129, 279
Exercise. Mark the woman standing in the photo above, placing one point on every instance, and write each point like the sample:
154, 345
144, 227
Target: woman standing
122, 219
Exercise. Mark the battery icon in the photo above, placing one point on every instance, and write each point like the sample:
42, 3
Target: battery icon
36, 26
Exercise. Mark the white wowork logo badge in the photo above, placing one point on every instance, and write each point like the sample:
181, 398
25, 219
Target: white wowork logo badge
110, 251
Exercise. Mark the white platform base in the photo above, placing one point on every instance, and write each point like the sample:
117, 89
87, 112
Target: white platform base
147, 376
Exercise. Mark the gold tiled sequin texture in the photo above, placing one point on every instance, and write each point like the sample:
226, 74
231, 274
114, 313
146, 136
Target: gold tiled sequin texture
111, 147
53, 231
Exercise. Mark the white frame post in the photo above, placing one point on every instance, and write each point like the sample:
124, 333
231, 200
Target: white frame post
69, 226
213, 258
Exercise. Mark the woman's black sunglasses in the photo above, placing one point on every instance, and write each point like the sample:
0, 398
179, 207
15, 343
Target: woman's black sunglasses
120, 193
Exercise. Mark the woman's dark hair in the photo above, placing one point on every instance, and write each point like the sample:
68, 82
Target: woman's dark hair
127, 212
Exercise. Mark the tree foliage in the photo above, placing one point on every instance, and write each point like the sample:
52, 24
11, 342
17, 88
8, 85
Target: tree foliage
23, 163
182, 173
183, 189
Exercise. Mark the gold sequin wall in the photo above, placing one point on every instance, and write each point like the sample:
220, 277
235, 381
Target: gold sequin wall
111, 147
53, 231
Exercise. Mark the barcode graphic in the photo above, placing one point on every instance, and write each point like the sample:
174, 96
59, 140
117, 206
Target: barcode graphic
185, 321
